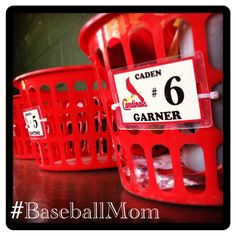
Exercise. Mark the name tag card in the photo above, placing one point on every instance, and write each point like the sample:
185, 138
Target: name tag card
34, 123
164, 95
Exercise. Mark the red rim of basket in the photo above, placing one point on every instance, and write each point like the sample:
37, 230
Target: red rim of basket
91, 27
19, 78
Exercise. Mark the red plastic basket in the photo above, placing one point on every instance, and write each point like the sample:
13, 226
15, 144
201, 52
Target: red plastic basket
66, 120
22, 146
122, 40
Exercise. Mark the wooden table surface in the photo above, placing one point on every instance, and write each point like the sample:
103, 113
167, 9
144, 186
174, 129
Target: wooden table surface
57, 189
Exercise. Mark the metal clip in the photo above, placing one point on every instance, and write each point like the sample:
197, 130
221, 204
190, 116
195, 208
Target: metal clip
44, 120
114, 106
211, 95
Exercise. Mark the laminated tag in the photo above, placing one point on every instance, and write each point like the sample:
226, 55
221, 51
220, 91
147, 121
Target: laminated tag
34, 123
162, 95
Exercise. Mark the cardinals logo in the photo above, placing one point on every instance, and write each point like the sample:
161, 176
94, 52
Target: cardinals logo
132, 89
128, 105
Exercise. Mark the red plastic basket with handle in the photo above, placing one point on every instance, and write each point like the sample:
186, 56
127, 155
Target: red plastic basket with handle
178, 166
66, 120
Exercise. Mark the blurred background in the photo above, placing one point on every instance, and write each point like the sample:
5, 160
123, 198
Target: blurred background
43, 40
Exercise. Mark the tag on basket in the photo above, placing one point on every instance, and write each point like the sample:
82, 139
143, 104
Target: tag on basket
163, 94
34, 123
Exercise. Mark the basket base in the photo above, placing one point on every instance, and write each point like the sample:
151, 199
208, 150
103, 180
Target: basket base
87, 164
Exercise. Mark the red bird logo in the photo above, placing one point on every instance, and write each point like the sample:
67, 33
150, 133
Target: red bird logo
133, 91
